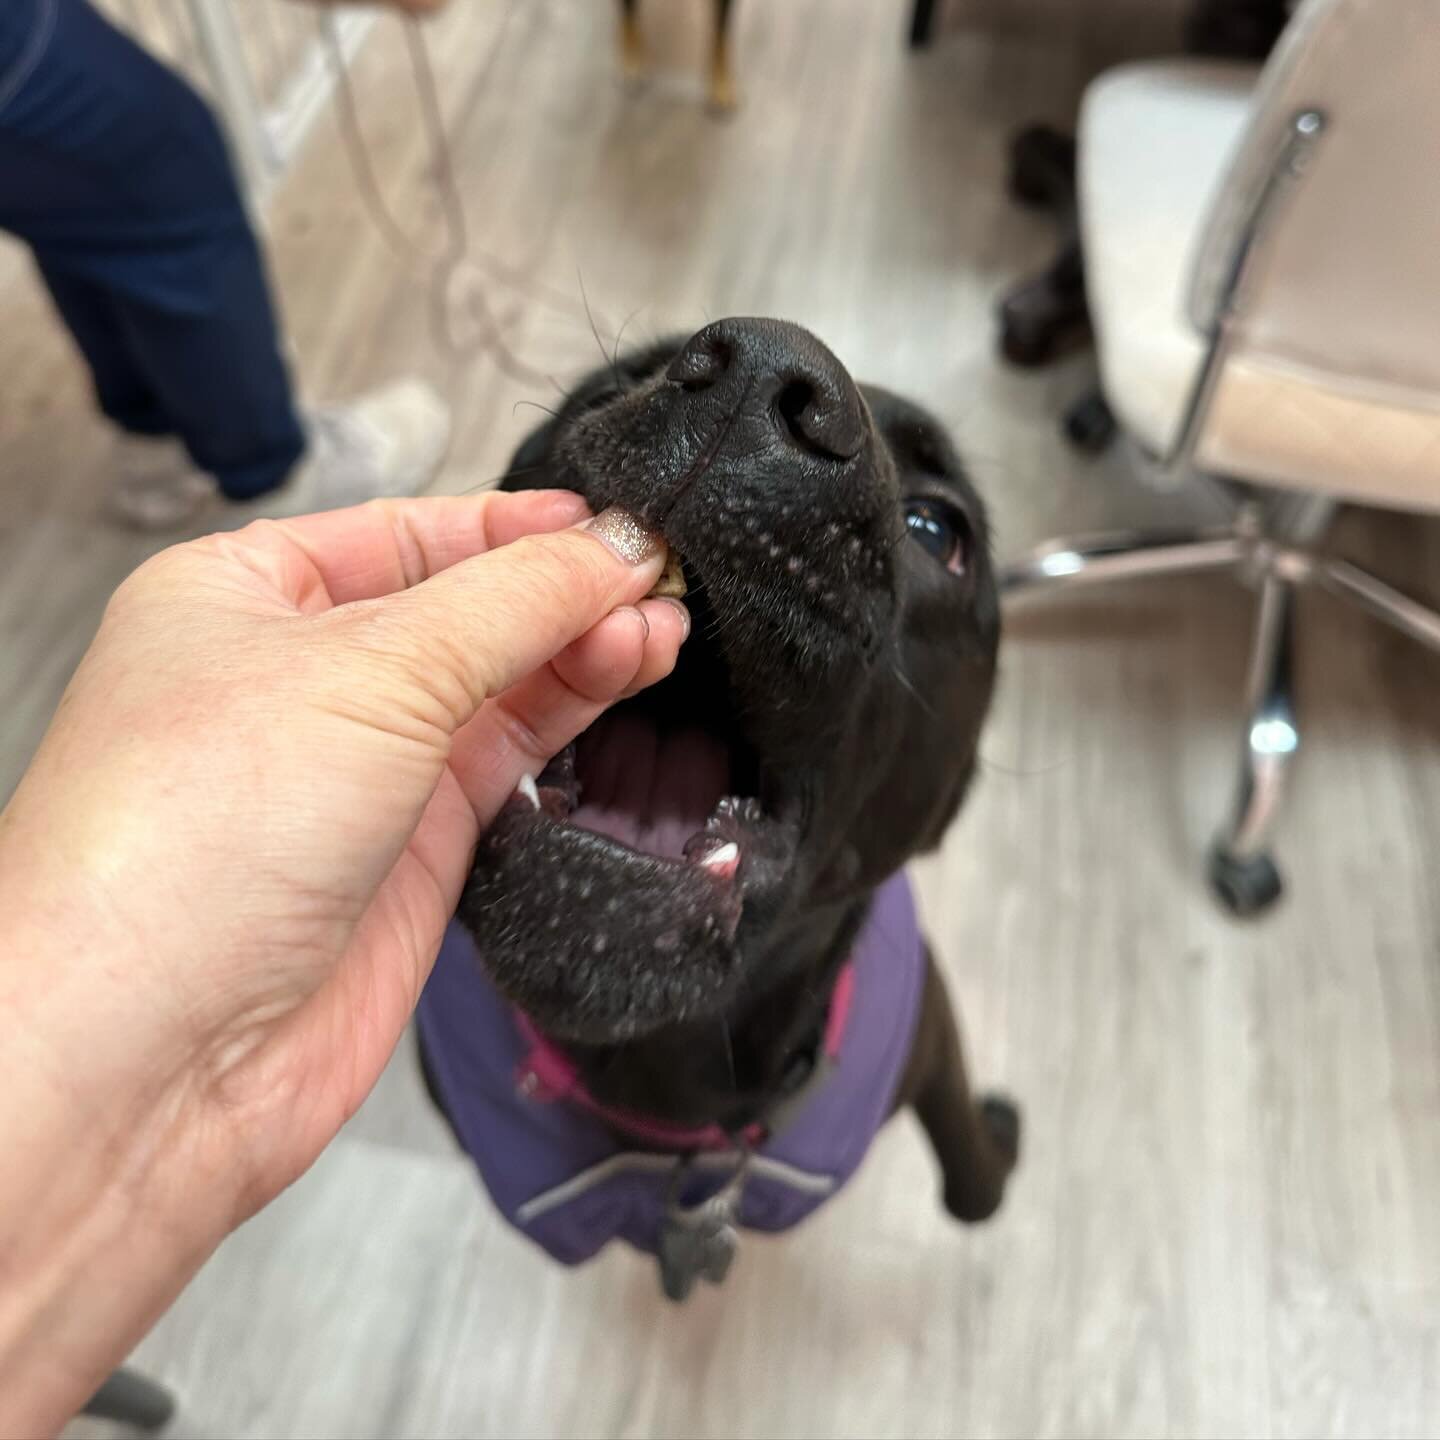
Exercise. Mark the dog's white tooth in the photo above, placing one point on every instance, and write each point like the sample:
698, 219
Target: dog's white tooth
724, 859
528, 789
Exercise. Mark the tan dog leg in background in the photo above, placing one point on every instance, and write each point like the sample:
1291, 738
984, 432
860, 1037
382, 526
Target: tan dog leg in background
632, 42
634, 57
722, 80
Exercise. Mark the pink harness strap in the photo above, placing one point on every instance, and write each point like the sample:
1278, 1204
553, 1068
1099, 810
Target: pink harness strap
839, 1017
547, 1074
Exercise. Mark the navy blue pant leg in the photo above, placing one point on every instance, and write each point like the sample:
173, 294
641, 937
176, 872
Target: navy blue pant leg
115, 173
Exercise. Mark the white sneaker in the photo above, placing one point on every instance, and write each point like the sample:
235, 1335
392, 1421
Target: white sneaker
157, 486
389, 442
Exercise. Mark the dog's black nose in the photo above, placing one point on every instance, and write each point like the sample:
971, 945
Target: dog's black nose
812, 399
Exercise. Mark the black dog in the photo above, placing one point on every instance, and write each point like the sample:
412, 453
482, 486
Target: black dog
675, 902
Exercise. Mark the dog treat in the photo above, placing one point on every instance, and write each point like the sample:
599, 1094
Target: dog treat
671, 583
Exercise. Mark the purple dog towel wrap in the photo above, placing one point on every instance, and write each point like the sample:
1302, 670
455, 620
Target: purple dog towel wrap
560, 1175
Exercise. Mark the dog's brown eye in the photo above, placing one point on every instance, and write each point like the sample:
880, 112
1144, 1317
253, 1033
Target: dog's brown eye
942, 532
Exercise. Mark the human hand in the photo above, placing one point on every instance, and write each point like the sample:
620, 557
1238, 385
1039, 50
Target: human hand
228, 870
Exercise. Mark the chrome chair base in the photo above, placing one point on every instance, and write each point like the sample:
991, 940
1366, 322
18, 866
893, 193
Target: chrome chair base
1274, 554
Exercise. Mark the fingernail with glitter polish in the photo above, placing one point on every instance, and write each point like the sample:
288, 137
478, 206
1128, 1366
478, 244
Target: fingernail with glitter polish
626, 536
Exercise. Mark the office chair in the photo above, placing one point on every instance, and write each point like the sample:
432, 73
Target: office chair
1046, 314
1262, 251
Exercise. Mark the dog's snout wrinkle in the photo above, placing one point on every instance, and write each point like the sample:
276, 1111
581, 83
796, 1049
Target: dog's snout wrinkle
660, 511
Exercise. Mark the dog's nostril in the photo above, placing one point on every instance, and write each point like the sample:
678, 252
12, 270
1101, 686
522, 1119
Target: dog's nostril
792, 402
815, 423
702, 362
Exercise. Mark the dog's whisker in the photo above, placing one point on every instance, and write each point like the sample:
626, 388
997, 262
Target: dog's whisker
729, 1051
595, 331
1018, 773
619, 336
494, 480
897, 666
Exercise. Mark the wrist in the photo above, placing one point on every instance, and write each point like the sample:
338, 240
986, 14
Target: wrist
105, 1206
104, 1216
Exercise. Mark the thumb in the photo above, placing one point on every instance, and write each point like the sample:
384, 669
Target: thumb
476, 628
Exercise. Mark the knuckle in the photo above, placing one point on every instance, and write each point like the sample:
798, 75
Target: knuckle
520, 735
398, 520
398, 667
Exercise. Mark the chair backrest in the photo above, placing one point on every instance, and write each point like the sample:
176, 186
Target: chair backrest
1345, 280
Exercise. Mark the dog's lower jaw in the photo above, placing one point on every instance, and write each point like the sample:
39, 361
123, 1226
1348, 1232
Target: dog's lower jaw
554, 912
598, 940
728, 1066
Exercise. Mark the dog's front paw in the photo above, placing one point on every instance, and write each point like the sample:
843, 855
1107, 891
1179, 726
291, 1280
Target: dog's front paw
975, 1192
1001, 1118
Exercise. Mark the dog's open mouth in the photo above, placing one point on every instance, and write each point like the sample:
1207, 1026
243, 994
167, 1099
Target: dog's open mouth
607, 895
656, 790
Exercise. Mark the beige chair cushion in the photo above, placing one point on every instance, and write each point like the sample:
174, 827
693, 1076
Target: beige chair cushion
1155, 143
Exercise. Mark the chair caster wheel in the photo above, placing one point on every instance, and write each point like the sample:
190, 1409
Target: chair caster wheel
1026, 340
1040, 319
1089, 424
1042, 168
1245, 885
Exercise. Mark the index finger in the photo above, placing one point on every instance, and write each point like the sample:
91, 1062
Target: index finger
385, 546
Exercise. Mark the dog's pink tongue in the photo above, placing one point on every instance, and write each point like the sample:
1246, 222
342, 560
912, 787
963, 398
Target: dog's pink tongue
649, 791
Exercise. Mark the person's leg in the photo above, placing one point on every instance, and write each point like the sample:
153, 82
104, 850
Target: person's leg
115, 172
93, 320
220, 377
